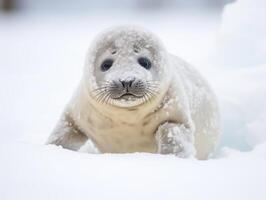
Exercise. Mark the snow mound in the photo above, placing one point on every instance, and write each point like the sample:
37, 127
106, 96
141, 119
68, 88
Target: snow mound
242, 97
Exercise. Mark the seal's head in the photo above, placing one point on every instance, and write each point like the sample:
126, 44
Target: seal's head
126, 67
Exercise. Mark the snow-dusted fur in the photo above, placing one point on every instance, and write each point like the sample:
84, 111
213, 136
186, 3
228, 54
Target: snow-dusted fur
180, 115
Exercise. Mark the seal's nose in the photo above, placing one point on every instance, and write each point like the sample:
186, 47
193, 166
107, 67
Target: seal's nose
127, 83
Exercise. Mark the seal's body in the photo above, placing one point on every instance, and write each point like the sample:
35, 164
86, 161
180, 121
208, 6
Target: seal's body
136, 97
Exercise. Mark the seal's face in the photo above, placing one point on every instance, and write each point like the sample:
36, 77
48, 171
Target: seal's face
128, 69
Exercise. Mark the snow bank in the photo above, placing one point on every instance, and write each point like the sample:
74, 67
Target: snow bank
48, 172
242, 97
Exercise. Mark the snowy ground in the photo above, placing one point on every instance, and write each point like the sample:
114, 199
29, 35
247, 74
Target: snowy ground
41, 60
44, 172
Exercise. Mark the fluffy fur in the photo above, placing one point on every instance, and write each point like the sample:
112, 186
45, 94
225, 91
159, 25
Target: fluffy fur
170, 110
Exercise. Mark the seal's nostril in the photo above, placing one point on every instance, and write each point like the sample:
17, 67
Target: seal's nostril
123, 83
130, 83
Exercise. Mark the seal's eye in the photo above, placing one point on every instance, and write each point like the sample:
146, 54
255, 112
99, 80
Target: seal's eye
107, 64
144, 62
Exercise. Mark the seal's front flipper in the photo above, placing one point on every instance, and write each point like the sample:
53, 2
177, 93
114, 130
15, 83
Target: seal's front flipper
175, 139
67, 134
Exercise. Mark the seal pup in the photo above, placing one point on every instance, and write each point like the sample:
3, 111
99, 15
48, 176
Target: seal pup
134, 96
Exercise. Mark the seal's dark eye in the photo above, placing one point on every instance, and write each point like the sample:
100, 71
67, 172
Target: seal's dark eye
144, 62
107, 64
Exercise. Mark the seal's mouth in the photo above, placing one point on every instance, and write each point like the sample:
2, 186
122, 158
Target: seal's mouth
128, 96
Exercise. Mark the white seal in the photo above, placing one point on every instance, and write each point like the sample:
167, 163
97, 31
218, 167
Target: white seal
136, 97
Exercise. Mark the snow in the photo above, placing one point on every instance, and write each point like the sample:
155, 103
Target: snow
47, 172
242, 98
89, 147
41, 64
